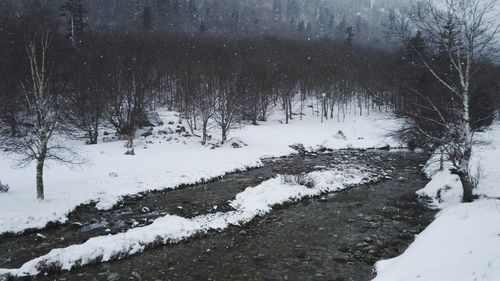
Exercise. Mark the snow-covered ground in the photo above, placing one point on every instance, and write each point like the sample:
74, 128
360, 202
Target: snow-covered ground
252, 202
463, 243
167, 161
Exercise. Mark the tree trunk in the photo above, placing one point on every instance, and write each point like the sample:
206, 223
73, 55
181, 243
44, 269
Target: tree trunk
467, 184
14, 128
224, 136
39, 179
465, 177
286, 111
93, 135
204, 129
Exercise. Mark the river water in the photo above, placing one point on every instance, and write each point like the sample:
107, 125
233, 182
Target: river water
334, 237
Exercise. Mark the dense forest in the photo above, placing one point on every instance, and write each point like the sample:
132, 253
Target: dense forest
318, 19
72, 67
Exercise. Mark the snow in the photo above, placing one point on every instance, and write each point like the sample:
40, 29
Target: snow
161, 163
444, 190
252, 202
463, 243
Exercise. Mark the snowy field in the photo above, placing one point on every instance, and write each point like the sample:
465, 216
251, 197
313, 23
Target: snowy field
167, 161
463, 243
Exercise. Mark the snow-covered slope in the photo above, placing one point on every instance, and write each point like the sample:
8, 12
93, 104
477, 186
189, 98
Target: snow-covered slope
463, 243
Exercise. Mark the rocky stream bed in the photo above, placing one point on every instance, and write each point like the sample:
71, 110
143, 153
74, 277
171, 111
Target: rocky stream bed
338, 236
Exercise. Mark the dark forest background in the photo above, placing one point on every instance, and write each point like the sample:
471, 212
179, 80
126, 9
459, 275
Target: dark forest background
111, 63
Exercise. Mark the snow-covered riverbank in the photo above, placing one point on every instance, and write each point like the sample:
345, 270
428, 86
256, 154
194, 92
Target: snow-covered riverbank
167, 161
252, 202
463, 243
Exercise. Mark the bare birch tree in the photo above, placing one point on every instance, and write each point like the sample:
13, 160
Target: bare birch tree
37, 142
464, 31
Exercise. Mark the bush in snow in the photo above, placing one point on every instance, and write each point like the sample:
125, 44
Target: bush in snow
4, 187
340, 135
297, 179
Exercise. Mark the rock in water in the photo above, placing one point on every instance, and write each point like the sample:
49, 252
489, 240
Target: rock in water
40, 237
136, 275
77, 224
113, 277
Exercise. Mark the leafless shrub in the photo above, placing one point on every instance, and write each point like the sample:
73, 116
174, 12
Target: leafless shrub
4, 187
298, 179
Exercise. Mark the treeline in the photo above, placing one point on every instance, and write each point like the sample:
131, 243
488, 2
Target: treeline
297, 19
115, 77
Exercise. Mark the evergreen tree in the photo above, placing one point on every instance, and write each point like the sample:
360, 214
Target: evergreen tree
203, 27
147, 18
448, 38
176, 7
277, 10
331, 26
161, 7
192, 10
341, 28
301, 28
74, 12
293, 10
349, 36
415, 48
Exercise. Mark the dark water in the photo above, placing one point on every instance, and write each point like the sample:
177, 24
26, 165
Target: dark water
337, 237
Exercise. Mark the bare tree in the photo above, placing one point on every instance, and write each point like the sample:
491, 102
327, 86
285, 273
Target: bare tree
227, 102
37, 142
464, 32
206, 103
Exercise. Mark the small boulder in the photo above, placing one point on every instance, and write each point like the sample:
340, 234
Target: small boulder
136, 275
166, 131
40, 237
340, 135
147, 133
386, 147
113, 277
76, 224
299, 148
113, 175
180, 129
4, 187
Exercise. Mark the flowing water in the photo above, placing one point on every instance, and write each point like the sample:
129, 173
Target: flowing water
334, 237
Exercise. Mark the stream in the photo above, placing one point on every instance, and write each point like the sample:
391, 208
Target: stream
334, 237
